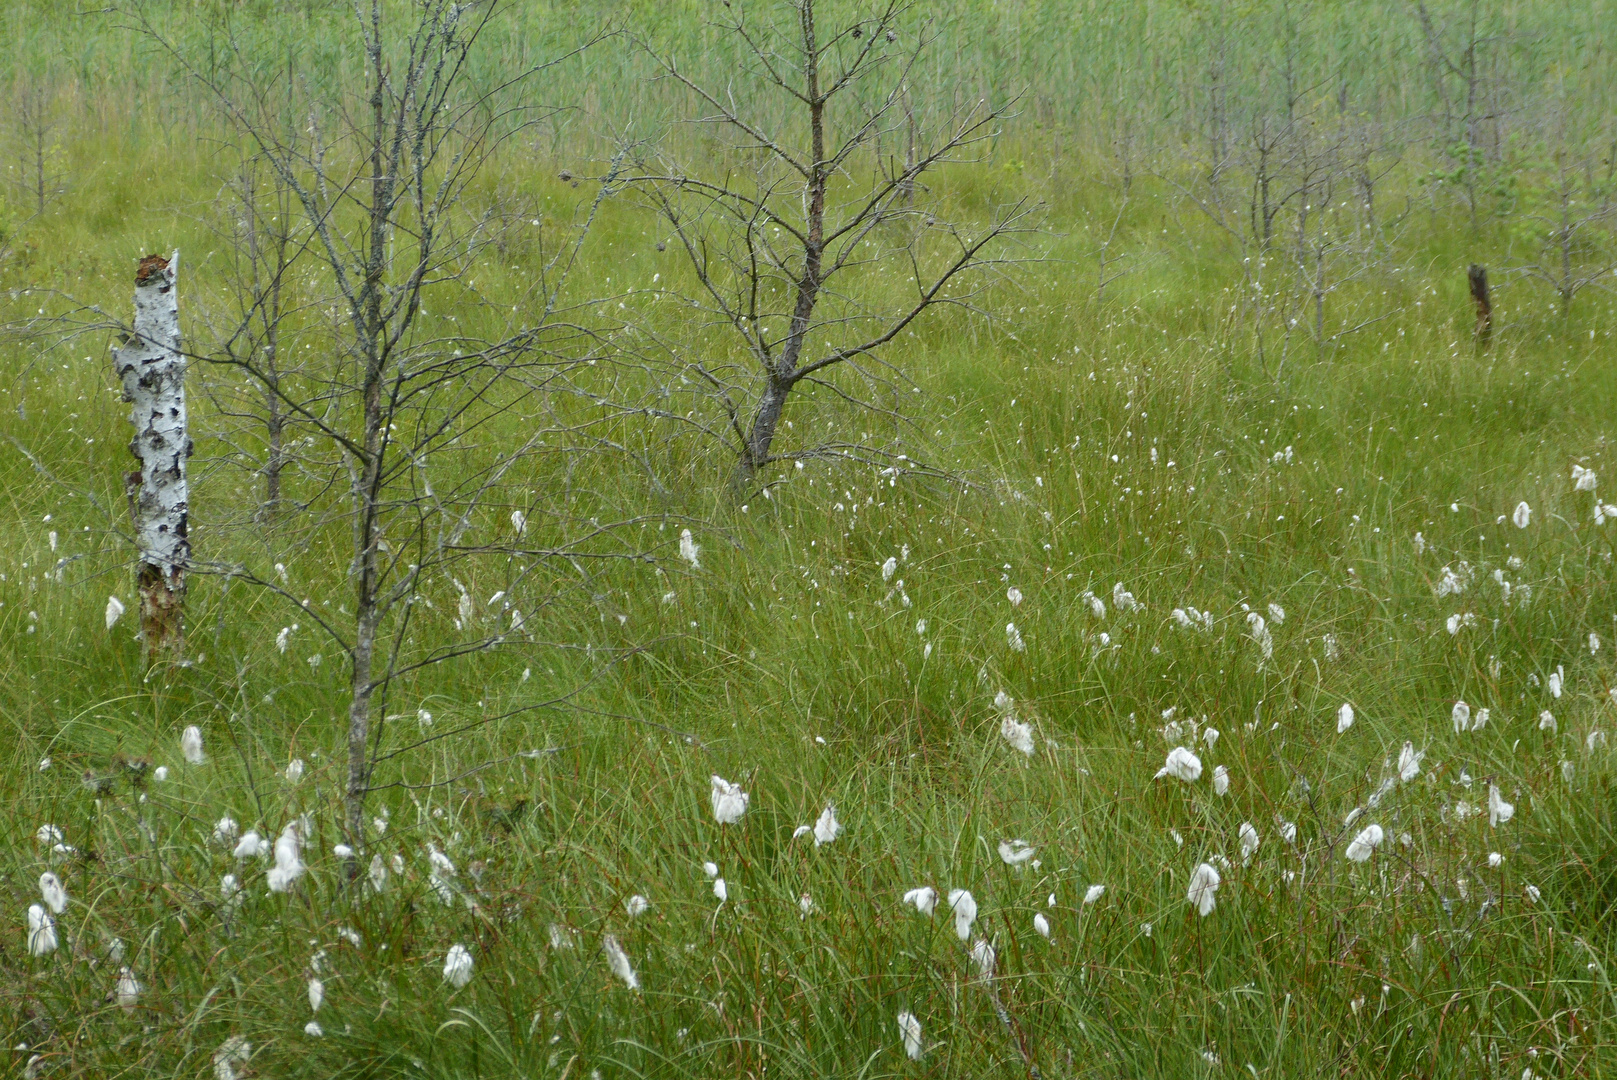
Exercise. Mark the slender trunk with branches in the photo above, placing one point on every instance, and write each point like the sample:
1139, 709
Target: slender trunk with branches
787, 244
392, 425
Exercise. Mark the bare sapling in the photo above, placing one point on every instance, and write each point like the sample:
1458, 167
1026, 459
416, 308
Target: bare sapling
807, 253
1568, 219
151, 365
1277, 194
1470, 93
393, 424
1124, 163
35, 118
265, 235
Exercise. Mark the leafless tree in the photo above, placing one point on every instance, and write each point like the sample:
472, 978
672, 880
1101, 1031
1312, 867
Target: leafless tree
1570, 219
399, 441
1124, 163
806, 264
1295, 198
263, 234
1470, 99
34, 116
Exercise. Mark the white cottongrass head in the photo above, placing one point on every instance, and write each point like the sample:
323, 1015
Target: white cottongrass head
1460, 621
1409, 760
1014, 595
618, 961
982, 954
458, 966
1018, 734
1041, 925
442, 874
128, 990
1093, 893
115, 611
1015, 852
1221, 780
1123, 600
288, 859
720, 890
827, 828
1499, 811
251, 846
1583, 479
689, 549
317, 995
909, 1033
1260, 634
889, 567
925, 899
1013, 638
191, 745
1361, 846
1523, 515
232, 1052
1556, 680
636, 905
1461, 715
51, 891
41, 931
519, 522
1182, 764
225, 831
1344, 717
964, 906
729, 801
1203, 892
1546, 722
1249, 841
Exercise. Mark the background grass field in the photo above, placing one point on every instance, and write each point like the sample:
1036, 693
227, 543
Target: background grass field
1132, 440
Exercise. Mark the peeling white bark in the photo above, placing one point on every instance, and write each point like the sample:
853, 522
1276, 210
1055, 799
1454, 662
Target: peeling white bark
153, 372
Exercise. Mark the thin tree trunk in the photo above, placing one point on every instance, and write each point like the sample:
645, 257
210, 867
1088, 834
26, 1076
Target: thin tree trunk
368, 480
907, 189
761, 433
275, 461
39, 166
153, 372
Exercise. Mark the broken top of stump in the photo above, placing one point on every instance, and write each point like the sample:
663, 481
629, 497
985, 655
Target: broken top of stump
150, 269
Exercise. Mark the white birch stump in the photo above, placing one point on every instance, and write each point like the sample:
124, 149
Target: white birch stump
153, 372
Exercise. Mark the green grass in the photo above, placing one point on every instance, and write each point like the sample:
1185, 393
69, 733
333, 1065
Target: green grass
1132, 441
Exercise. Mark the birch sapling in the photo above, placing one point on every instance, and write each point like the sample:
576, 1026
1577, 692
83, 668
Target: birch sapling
152, 368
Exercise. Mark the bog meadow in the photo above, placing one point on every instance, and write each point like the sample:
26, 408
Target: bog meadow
808, 538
